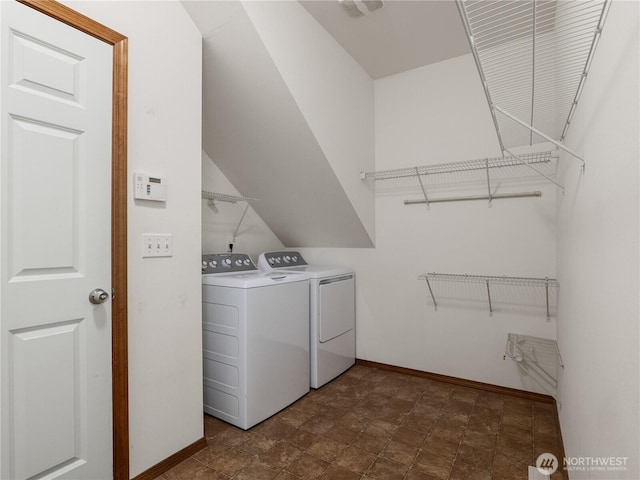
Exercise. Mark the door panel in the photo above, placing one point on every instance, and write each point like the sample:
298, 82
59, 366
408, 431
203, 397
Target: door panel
43, 68
55, 219
39, 388
55, 247
337, 310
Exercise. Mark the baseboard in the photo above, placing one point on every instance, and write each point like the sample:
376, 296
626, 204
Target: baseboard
488, 387
170, 462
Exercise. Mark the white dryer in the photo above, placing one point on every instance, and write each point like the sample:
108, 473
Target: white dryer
332, 314
255, 334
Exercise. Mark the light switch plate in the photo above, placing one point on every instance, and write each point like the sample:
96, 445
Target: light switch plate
157, 245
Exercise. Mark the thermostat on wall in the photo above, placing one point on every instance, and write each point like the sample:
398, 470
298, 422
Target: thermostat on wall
146, 187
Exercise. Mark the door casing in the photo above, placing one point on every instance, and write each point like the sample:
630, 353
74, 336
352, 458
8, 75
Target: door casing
119, 338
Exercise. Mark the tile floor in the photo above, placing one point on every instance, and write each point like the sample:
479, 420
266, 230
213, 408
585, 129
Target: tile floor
371, 424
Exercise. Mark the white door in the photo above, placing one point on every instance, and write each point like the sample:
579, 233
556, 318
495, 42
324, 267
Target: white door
55, 248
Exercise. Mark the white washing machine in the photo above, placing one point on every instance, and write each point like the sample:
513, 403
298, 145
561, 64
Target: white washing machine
332, 313
255, 334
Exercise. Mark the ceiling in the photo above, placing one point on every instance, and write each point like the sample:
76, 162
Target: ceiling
400, 36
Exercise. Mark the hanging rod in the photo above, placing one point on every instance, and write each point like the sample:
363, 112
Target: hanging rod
545, 283
462, 166
495, 196
533, 58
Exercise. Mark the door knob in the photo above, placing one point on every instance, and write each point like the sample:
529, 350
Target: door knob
98, 296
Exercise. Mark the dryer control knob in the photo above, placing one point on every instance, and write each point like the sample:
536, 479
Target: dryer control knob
238, 263
204, 265
226, 262
294, 258
278, 260
247, 262
213, 264
286, 259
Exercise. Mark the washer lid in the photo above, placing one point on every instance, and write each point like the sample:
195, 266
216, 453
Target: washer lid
317, 271
252, 279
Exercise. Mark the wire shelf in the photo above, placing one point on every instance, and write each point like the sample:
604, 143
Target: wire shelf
536, 356
536, 166
533, 57
487, 281
213, 197
502, 280
223, 197
463, 166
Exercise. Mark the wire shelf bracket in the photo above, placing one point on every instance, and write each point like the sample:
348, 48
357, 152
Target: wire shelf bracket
214, 197
533, 58
488, 280
537, 357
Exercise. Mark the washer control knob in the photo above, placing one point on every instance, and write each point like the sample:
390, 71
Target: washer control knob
238, 263
247, 262
213, 264
226, 262
204, 265
294, 258
272, 260
278, 260
286, 258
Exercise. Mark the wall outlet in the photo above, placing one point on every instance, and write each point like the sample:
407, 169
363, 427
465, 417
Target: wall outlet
157, 245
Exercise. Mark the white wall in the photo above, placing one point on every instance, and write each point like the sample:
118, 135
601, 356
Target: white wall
220, 220
432, 115
165, 372
256, 133
598, 257
333, 92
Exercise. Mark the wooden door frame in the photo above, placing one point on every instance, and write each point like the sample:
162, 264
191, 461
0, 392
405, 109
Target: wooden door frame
119, 336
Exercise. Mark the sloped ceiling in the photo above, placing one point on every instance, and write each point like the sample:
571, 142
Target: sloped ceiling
401, 36
255, 132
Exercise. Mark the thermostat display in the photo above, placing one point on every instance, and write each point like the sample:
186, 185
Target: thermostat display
149, 188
